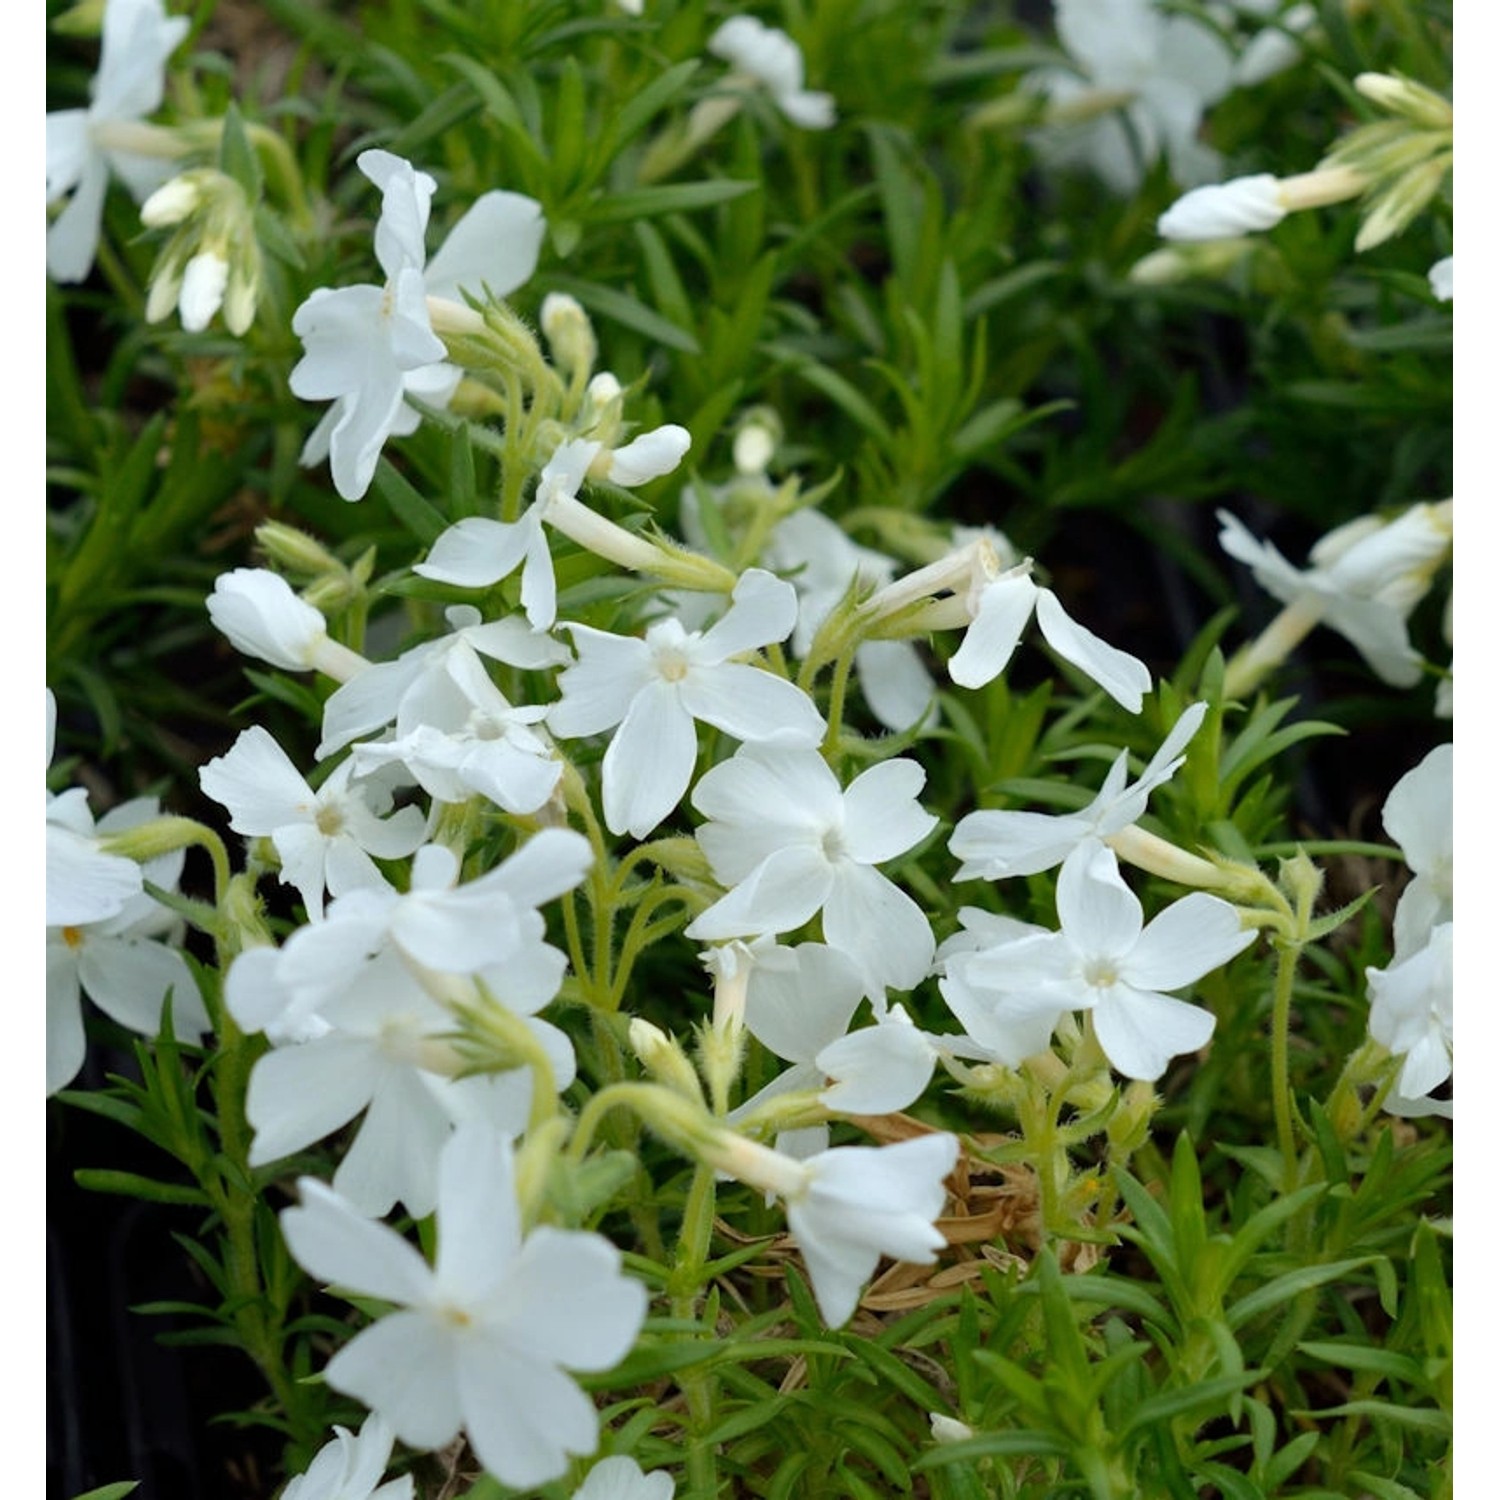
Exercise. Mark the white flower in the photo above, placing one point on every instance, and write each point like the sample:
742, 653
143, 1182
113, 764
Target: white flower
325, 839
1366, 578
1440, 278
481, 1340
1224, 209
263, 618
849, 1206
477, 552
621, 1478
790, 842
1418, 814
84, 884
1411, 1013
368, 346
655, 689
994, 844
458, 735
120, 963
1164, 70
350, 1468
417, 687
1104, 961
488, 927
771, 57
999, 604
138, 37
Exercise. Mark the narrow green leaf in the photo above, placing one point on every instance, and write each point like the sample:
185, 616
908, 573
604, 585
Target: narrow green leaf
676, 197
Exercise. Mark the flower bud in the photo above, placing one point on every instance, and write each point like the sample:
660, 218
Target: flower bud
1403, 97
1224, 210
203, 283
172, 202
569, 333
949, 1429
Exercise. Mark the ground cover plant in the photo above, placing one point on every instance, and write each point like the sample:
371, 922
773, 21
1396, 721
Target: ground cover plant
750, 747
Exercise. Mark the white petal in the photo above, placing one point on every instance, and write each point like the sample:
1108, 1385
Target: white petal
478, 1214
882, 817
566, 1300
753, 705
801, 999
404, 1367
330, 1241
523, 1416
394, 1157
494, 245
877, 1069
1100, 915
649, 762
649, 456
1126, 679
879, 926
1141, 1032
475, 552
300, 1094
66, 1043
128, 978
1004, 608
894, 681
764, 610
780, 894
1189, 939
257, 782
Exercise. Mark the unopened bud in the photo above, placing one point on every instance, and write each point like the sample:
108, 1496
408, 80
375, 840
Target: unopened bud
172, 202
203, 283
949, 1429
1403, 97
1225, 209
1400, 203
569, 333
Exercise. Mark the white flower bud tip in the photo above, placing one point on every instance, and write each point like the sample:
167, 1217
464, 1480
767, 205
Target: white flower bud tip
171, 203
1224, 209
203, 284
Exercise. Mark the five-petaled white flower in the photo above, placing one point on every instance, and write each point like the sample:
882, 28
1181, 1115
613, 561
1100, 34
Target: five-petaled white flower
1104, 960
1161, 70
482, 1340
325, 838
1366, 578
848, 1206
995, 843
655, 689
476, 552
368, 347
85, 145
791, 842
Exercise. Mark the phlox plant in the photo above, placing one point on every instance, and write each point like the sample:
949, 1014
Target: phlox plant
750, 744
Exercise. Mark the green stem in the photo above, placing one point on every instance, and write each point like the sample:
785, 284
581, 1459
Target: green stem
1287, 955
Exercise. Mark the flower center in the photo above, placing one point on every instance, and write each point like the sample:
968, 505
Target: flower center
73, 937
329, 819
833, 845
672, 663
1101, 972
